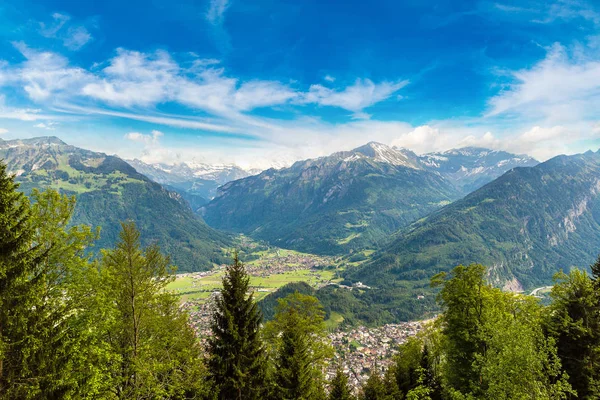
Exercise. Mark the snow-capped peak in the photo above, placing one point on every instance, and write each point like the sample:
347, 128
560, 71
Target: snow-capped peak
391, 155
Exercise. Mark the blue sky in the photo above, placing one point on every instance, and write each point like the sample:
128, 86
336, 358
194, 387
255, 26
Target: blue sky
263, 83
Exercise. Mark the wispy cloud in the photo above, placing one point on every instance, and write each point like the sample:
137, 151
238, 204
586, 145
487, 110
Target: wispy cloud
216, 11
563, 87
362, 94
546, 12
73, 36
3, 131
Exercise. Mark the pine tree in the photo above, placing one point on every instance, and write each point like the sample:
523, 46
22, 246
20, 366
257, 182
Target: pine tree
374, 388
16, 258
236, 355
340, 390
298, 343
55, 346
293, 368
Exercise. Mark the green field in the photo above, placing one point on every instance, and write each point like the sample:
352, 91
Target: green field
190, 288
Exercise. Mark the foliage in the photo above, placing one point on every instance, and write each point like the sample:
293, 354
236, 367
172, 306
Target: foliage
573, 320
495, 347
154, 352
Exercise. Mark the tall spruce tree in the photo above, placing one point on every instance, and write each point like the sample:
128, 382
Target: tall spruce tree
16, 260
339, 387
293, 369
55, 345
237, 358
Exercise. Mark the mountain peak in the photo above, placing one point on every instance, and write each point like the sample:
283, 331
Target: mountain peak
384, 153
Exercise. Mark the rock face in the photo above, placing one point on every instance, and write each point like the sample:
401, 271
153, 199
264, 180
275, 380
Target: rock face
108, 191
525, 225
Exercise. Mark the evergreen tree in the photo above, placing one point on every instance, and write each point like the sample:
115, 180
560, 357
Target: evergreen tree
374, 388
237, 359
574, 321
298, 343
430, 378
293, 369
408, 364
16, 260
56, 347
339, 387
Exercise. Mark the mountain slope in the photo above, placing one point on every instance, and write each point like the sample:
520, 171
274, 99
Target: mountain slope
331, 205
525, 226
109, 191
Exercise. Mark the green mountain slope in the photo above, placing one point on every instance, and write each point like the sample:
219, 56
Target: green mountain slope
109, 191
525, 226
331, 205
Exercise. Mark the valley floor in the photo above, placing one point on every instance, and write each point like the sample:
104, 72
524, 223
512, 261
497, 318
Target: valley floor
359, 351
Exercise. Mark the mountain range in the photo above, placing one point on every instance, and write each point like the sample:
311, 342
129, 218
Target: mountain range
196, 182
108, 191
397, 217
525, 226
351, 200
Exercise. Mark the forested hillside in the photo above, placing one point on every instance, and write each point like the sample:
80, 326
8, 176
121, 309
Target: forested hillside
526, 226
108, 191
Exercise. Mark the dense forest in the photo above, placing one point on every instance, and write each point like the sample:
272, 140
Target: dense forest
76, 327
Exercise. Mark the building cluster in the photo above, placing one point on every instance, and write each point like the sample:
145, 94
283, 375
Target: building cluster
286, 263
363, 351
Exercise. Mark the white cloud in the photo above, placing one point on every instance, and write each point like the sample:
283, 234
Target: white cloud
329, 78
74, 37
49, 125
549, 107
148, 140
77, 37
3, 131
546, 12
44, 74
216, 11
563, 87
51, 30
364, 93
256, 94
